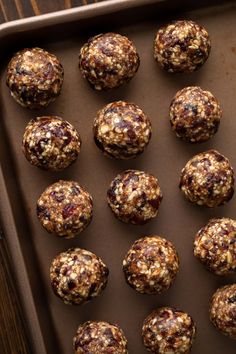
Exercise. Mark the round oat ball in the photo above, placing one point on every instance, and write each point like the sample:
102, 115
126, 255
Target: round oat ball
215, 246
108, 60
34, 77
195, 114
167, 330
181, 46
51, 143
223, 310
122, 130
99, 338
65, 209
208, 179
134, 196
151, 265
78, 276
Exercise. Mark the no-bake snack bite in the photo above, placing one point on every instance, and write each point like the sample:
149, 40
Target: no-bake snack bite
195, 114
65, 209
168, 331
108, 60
223, 310
51, 143
208, 179
78, 276
34, 77
122, 130
215, 246
181, 46
101, 337
151, 265
134, 196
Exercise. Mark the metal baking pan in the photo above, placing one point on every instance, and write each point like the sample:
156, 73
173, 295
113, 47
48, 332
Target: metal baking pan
51, 323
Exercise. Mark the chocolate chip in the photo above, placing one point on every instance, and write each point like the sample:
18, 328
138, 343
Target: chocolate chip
232, 299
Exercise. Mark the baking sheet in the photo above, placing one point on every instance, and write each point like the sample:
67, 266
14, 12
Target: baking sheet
52, 324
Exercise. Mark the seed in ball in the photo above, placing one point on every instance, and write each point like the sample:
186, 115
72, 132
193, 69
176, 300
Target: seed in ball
168, 331
215, 246
208, 179
151, 265
122, 130
65, 209
181, 46
78, 276
34, 77
223, 310
51, 143
108, 61
99, 338
134, 197
195, 114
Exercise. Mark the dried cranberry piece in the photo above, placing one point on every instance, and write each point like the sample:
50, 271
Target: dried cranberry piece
154, 203
68, 210
59, 197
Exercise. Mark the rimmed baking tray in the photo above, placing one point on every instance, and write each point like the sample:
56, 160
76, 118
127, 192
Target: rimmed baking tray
52, 324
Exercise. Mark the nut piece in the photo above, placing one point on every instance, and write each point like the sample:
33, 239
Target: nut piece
223, 310
134, 197
122, 130
78, 276
168, 331
51, 143
215, 246
65, 209
151, 265
99, 338
108, 61
34, 77
208, 179
181, 46
195, 114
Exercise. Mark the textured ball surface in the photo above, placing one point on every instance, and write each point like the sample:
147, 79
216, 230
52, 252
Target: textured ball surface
99, 338
167, 330
181, 46
134, 196
208, 179
195, 114
78, 276
122, 130
51, 143
65, 209
151, 265
34, 77
223, 310
215, 246
108, 60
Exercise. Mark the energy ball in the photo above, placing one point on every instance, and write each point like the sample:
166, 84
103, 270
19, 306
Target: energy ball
78, 276
208, 179
122, 130
134, 197
108, 60
151, 265
34, 77
99, 338
223, 310
181, 46
51, 143
195, 114
168, 331
215, 246
65, 209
